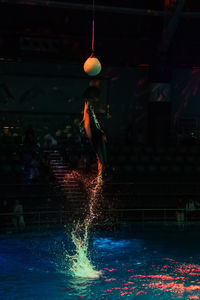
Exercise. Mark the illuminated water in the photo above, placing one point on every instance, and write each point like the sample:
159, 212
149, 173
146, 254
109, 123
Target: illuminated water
139, 264
80, 264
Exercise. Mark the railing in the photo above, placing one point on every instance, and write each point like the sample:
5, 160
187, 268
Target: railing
49, 219
36, 219
157, 215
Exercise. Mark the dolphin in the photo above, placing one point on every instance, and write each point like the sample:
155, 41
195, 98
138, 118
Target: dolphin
96, 136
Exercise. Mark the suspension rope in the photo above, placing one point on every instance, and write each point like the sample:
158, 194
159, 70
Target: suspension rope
93, 16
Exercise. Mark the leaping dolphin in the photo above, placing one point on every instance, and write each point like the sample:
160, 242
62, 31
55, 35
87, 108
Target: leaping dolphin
96, 136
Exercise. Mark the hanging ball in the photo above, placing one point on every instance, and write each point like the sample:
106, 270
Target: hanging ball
92, 66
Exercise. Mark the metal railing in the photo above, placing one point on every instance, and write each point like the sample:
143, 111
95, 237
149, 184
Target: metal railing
49, 219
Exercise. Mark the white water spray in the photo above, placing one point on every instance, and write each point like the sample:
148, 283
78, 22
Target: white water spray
80, 264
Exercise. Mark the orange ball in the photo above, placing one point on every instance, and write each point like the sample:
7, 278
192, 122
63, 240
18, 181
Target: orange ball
92, 66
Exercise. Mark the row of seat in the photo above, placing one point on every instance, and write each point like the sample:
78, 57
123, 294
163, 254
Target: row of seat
157, 159
161, 168
145, 149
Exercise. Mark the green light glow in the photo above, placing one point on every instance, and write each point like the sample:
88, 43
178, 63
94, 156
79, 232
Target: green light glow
80, 264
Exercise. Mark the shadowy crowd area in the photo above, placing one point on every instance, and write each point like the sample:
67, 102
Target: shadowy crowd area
164, 177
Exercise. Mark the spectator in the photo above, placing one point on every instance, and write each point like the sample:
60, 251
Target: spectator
190, 209
58, 137
34, 169
197, 204
18, 218
29, 136
49, 141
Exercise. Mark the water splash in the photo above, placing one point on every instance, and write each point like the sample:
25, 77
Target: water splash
80, 263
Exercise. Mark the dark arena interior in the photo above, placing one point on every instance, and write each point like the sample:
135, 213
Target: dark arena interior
99, 149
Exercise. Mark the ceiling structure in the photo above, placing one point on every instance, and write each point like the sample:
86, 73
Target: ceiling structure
127, 32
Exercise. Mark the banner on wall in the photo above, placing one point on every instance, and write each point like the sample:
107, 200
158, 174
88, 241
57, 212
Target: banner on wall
160, 92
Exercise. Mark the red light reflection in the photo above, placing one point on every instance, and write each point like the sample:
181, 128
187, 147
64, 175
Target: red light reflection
167, 281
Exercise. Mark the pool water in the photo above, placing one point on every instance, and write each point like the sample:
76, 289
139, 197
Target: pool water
135, 264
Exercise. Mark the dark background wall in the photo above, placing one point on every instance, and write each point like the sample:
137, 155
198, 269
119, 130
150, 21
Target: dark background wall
46, 90
47, 95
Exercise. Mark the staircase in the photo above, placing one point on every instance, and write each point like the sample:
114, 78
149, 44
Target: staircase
67, 182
